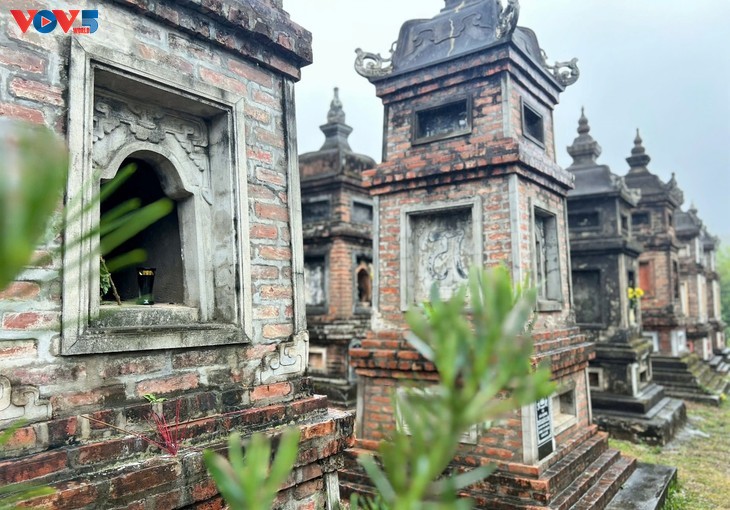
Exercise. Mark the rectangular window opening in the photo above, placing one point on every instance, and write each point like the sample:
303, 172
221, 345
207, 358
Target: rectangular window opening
533, 126
443, 121
547, 256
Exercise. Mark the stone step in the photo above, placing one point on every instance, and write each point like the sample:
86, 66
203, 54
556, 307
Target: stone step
585, 480
646, 488
601, 493
657, 427
641, 403
715, 361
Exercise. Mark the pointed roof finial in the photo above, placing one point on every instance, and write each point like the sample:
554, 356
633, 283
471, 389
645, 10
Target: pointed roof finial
638, 145
639, 158
336, 115
583, 127
335, 130
585, 150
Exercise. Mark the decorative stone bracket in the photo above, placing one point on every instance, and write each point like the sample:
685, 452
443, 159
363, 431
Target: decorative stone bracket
21, 402
289, 358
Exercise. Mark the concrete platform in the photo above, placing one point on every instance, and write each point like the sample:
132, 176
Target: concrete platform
646, 488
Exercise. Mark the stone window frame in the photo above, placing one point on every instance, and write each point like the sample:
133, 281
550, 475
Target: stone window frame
182, 327
555, 299
602, 283
324, 253
562, 421
415, 120
361, 201
647, 225
473, 204
599, 372
313, 199
525, 106
321, 351
597, 227
360, 310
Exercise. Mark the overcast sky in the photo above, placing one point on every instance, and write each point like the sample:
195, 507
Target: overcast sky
660, 65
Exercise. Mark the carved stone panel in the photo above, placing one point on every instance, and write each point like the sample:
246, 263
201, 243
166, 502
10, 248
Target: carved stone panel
441, 248
588, 297
21, 402
315, 282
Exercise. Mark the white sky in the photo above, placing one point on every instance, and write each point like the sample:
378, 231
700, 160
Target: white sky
660, 65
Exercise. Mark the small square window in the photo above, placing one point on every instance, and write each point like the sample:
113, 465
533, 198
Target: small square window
315, 210
533, 125
640, 220
362, 213
584, 220
443, 121
595, 379
317, 360
625, 225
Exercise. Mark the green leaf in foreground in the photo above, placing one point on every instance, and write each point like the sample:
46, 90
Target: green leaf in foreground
251, 481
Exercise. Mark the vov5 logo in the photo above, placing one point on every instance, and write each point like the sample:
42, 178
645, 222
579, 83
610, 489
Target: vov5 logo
46, 21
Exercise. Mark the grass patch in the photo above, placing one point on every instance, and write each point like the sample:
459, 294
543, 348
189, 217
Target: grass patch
701, 453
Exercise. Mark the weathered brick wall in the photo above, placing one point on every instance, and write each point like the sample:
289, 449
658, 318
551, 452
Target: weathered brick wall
249, 50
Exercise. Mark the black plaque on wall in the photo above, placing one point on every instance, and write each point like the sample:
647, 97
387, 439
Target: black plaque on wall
544, 422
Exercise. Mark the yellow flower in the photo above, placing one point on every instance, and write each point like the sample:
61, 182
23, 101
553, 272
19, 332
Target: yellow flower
639, 292
632, 293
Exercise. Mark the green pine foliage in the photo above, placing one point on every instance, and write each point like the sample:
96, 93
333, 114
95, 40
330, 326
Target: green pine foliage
479, 342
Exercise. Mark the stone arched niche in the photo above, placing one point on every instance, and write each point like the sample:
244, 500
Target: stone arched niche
190, 148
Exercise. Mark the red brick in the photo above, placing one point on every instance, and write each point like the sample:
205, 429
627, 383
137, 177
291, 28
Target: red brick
17, 349
15, 111
271, 391
21, 290
270, 177
36, 91
317, 430
32, 467
274, 253
23, 60
142, 480
223, 81
271, 212
272, 331
251, 73
167, 384
203, 490
275, 291
264, 232
30, 320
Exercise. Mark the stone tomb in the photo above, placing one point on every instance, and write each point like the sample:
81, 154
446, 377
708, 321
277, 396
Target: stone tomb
604, 263
469, 178
201, 99
664, 311
337, 213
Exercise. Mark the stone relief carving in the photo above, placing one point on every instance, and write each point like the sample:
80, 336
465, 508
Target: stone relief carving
289, 358
151, 124
565, 73
441, 252
21, 402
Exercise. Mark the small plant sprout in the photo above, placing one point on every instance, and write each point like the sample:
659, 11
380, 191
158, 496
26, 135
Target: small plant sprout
169, 434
